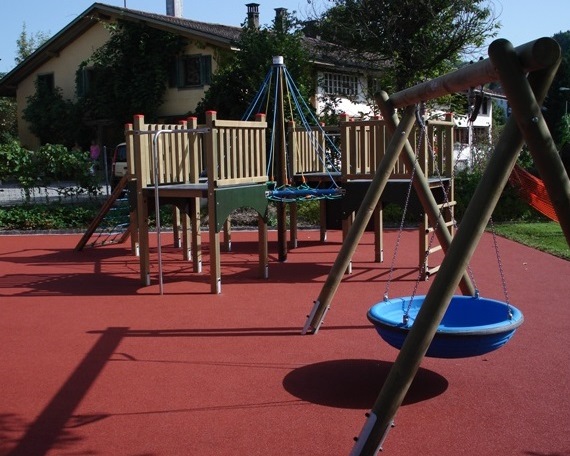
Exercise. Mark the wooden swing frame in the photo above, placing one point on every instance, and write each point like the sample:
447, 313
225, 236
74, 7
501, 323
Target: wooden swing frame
526, 73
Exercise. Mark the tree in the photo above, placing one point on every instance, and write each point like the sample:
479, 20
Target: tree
241, 73
8, 122
52, 118
555, 105
27, 44
414, 39
130, 73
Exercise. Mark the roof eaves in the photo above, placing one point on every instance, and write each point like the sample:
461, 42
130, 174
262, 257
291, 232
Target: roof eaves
46, 51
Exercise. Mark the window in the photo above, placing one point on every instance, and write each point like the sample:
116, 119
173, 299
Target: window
85, 81
374, 86
340, 84
191, 71
485, 107
46, 82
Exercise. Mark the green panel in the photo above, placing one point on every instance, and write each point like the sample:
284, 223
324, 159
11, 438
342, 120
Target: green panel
231, 198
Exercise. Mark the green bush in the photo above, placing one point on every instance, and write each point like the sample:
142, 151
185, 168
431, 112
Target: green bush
510, 206
50, 163
54, 216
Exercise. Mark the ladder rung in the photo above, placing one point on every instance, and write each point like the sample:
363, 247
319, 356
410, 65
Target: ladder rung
448, 204
434, 249
431, 271
446, 224
437, 184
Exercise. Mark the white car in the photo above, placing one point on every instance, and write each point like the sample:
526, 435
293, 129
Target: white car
119, 166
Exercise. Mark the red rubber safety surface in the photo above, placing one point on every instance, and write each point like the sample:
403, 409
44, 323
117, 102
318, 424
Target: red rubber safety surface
93, 363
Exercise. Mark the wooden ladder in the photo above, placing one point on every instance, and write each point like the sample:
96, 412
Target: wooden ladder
429, 244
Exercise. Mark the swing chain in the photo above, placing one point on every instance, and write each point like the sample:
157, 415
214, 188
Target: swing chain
405, 317
423, 128
446, 191
420, 109
501, 271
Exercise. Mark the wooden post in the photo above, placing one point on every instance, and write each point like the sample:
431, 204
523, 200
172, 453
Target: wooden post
293, 222
537, 136
378, 234
323, 219
194, 162
182, 167
262, 245
141, 152
131, 187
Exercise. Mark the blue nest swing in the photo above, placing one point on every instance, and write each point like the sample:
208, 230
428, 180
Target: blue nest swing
471, 326
302, 192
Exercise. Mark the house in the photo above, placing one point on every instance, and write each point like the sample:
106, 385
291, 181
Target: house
473, 133
55, 63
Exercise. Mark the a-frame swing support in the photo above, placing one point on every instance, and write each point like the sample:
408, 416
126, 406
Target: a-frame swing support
540, 60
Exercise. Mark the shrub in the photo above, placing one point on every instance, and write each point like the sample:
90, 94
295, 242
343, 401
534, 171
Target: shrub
510, 206
50, 163
54, 216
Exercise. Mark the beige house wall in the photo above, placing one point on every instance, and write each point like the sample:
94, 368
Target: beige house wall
63, 66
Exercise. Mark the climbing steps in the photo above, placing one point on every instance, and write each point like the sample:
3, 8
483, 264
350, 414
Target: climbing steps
429, 243
112, 223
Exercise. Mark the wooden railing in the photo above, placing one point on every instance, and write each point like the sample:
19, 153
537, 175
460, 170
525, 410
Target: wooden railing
232, 152
308, 149
364, 144
178, 148
226, 152
441, 134
235, 151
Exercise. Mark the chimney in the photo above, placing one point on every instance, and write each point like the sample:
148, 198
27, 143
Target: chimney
253, 15
174, 8
280, 14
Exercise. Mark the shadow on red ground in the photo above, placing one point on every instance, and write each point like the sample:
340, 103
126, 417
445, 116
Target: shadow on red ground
94, 363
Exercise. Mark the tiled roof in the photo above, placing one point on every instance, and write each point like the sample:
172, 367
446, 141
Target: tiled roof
225, 32
222, 35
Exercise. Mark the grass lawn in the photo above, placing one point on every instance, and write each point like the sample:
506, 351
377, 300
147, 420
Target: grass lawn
547, 237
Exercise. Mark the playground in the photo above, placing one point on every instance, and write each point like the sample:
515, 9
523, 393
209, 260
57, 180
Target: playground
102, 359
93, 362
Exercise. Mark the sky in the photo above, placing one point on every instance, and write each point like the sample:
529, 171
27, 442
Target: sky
522, 20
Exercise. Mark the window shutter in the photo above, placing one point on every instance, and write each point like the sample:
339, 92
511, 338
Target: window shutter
173, 73
81, 83
180, 72
206, 69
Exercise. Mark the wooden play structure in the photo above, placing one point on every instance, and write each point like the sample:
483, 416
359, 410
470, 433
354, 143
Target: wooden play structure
222, 162
226, 163
525, 74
